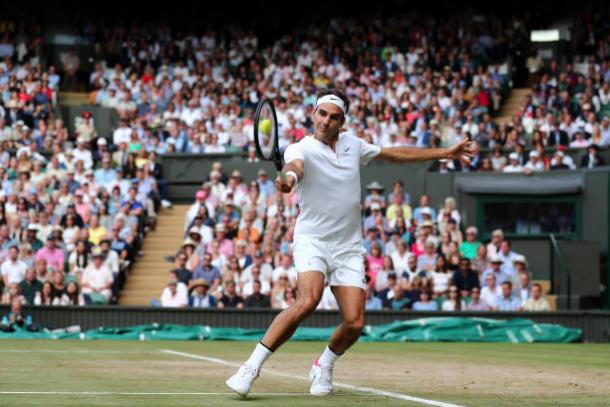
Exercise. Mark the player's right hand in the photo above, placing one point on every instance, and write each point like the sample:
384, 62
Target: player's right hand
284, 184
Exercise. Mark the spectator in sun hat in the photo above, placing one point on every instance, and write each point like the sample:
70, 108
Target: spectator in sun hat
207, 233
496, 268
592, 159
200, 297
31, 237
265, 185
372, 220
374, 194
424, 208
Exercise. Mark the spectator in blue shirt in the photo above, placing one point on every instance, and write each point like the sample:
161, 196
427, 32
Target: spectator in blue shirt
105, 176
425, 303
496, 270
424, 208
135, 207
265, 184
372, 302
507, 302
207, 272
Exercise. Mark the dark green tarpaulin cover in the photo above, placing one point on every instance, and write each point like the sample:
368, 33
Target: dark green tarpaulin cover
449, 329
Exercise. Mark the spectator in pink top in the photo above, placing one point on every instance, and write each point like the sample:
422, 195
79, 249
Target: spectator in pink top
225, 245
82, 207
52, 254
375, 260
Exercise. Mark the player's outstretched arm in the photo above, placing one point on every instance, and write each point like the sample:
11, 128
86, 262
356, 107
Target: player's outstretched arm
285, 184
411, 154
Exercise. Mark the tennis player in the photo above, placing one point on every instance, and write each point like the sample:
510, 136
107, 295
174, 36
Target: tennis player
327, 248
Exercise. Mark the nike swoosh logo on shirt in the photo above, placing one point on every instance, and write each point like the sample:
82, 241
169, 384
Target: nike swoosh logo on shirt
346, 148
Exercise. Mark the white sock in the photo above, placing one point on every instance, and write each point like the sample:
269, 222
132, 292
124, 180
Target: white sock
258, 356
328, 357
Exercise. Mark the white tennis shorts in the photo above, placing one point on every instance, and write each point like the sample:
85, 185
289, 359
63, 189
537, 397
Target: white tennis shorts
342, 264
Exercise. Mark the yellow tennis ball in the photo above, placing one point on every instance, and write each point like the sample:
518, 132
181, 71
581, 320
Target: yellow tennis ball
264, 126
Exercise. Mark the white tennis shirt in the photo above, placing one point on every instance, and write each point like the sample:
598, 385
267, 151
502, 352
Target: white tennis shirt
329, 191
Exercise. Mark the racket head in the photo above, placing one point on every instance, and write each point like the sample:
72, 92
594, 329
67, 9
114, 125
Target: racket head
266, 132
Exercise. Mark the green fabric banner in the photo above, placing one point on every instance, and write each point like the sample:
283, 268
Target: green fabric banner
449, 329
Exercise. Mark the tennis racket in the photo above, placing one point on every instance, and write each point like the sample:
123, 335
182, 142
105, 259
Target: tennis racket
266, 134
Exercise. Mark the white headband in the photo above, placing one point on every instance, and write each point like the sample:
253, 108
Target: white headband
335, 100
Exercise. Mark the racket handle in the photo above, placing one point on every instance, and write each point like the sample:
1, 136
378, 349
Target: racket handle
282, 175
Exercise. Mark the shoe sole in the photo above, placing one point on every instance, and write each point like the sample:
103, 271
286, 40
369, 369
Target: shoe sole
244, 395
317, 394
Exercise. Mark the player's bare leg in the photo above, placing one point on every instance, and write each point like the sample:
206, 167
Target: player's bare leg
310, 286
351, 302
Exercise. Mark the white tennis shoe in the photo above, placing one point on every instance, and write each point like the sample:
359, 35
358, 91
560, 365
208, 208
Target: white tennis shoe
321, 379
241, 381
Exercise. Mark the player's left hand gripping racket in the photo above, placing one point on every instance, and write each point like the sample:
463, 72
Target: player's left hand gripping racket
266, 134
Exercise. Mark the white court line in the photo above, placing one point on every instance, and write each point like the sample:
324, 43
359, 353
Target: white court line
369, 390
124, 393
67, 351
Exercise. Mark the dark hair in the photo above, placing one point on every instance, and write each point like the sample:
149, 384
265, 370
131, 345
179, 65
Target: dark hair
508, 283
337, 93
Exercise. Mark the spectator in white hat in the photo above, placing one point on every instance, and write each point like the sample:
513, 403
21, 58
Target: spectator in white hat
534, 164
371, 220
496, 270
513, 164
424, 208
561, 160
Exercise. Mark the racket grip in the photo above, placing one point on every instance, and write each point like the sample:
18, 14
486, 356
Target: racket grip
282, 175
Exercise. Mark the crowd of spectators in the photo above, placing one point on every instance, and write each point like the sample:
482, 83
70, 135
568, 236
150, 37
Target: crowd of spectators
568, 108
237, 253
73, 212
411, 81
